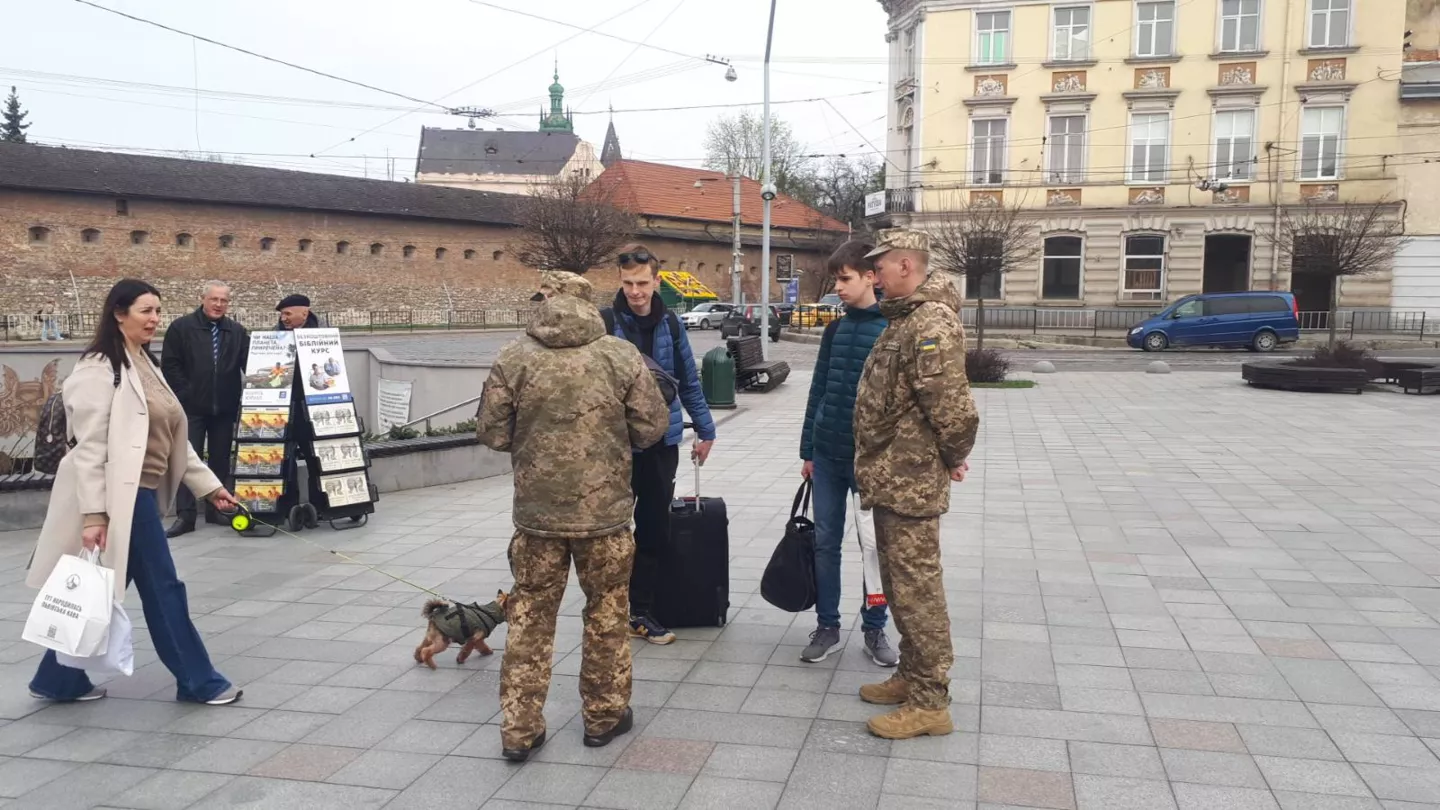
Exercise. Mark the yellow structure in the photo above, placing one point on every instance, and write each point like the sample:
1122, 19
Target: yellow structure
1112, 122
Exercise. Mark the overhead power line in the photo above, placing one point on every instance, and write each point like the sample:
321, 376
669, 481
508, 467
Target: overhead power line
248, 52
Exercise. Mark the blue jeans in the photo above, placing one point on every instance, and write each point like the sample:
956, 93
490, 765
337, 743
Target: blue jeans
831, 485
50, 327
167, 614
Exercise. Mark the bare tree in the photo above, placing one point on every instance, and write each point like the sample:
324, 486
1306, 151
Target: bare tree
569, 224
982, 239
1332, 241
838, 185
735, 144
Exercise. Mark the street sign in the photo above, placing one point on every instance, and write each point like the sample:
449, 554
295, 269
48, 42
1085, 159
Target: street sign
874, 203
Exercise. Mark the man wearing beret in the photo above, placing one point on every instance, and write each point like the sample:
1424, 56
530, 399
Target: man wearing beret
915, 425
295, 313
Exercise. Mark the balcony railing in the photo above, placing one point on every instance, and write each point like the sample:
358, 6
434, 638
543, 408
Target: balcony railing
901, 201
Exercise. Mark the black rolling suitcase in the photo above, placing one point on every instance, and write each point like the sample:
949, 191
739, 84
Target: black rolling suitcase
694, 586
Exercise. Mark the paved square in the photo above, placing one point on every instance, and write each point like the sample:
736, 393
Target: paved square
1166, 592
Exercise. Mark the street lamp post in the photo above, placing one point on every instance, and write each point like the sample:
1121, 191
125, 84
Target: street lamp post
767, 193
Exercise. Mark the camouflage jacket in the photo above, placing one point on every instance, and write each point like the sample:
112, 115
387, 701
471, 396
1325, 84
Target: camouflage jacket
460, 621
914, 418
568, 402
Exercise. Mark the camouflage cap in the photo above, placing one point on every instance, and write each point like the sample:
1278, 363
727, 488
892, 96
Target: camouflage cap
899, 239
561, 282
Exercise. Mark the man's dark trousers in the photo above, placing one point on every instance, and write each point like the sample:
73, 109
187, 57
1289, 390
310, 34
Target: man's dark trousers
217, 434
652, 478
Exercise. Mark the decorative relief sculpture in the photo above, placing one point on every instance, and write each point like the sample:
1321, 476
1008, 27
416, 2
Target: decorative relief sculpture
989, 86
1236, 76
1148, 196
1069, 82
1152, 79
1328, 70
1062, 197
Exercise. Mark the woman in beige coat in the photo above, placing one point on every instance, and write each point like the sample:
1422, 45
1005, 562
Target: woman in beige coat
131, 453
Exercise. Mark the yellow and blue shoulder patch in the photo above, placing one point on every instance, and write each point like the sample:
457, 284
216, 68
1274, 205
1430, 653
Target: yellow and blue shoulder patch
929, 345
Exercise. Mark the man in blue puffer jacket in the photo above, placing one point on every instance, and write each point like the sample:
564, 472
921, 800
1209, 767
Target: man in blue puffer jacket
640, 316
827, 444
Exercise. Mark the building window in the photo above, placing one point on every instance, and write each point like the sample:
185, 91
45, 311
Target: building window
440, 253
39, 235
139, 237
377, 249
1320, 131
90, 236
1072, 33
1149, 147
226, 242
992, 37
184, 240
305, 245
700, 268
122, 208
907, 56
469, 254
1144, 278
267, 243
497, 255
1062, 265
1329, 23
1239, 26
1067, 149
990, 288
1235, 145
409, 251
987, 151
342, 248
1154, 28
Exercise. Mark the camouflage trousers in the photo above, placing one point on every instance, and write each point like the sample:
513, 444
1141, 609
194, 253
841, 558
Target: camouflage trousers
914, 586
541, 566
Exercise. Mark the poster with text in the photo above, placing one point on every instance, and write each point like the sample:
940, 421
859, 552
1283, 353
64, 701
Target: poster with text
393, 404
259, 459
343, 490
263, 423
334, 420
339, 454
270, 371
261, 495
321, 366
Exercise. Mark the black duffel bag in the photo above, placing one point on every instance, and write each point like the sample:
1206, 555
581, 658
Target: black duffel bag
789, 580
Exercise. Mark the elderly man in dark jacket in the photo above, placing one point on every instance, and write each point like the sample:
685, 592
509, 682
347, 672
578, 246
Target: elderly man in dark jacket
204, 361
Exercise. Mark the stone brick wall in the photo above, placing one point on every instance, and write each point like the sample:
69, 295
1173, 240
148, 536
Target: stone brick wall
31, 272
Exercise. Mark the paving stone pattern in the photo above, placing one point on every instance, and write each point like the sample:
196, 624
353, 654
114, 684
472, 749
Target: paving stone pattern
1168, 592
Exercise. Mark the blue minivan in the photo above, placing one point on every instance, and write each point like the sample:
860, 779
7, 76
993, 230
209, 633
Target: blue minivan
1258, 321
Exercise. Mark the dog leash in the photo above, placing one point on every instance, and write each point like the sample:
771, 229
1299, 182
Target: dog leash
242, 518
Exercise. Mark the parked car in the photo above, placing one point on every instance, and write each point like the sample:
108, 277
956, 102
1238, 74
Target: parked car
814, 315
706, 316
746, 321
1259, 321
832, 300
787, 311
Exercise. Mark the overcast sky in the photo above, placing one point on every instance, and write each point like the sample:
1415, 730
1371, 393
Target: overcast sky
77, 69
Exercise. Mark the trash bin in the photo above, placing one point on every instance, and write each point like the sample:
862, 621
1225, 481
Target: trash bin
717, 379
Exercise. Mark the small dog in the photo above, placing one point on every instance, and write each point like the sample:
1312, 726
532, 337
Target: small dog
467, 625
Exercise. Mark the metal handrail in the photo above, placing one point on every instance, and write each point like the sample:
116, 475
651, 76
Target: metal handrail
426, 418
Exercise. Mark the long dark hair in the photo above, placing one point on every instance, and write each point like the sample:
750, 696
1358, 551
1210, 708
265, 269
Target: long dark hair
109, 341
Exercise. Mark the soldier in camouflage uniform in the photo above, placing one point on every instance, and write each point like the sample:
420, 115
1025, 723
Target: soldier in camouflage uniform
568, 402
915, 424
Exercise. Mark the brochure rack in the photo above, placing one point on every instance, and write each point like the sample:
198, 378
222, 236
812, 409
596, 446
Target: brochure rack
286, 416
333, 447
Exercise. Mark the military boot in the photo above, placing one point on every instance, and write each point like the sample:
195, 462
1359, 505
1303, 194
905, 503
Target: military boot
911, 721
890, 692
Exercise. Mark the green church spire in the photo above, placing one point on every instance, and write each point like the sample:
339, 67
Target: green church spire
557, 120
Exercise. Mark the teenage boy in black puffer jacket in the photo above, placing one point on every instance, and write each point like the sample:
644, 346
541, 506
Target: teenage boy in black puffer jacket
827, 445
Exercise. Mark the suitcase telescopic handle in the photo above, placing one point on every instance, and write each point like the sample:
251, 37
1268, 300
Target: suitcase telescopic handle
693, 462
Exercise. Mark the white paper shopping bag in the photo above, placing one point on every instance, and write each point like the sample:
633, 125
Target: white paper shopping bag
72, 612
118, 655
869, 554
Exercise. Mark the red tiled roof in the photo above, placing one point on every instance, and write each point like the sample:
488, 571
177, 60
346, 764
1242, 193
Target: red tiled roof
657, 189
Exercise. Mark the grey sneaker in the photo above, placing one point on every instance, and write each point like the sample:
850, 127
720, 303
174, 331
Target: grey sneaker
823, 641
878, 646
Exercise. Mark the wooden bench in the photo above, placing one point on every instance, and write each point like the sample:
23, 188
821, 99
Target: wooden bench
1390, 369
1288, 377
1419, 380
752, 371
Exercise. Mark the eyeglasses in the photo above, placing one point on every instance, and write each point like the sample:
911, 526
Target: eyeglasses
638, 257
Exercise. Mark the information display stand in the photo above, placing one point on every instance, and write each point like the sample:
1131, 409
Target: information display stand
334, 451
297, 404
